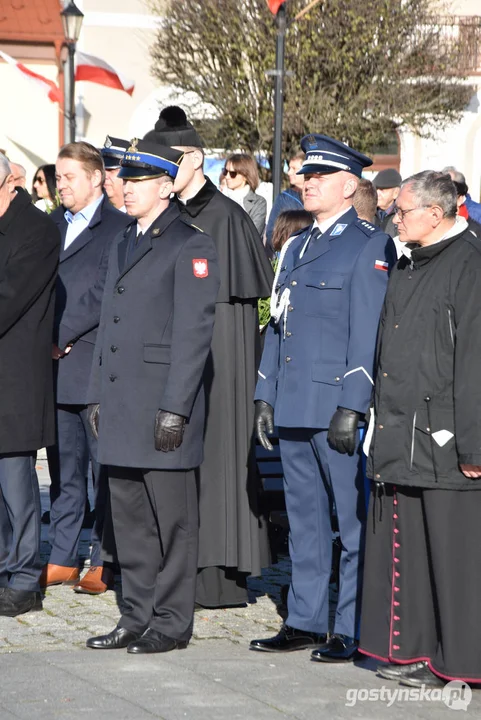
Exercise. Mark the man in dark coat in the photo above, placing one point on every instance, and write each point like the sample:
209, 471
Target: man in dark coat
29, 250
88, 224
290, 199
422, 583
232, 542
154, 338
387, 183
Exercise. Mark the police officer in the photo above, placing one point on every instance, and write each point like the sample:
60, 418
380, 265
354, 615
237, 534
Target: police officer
315, 382
112, 153
155, 333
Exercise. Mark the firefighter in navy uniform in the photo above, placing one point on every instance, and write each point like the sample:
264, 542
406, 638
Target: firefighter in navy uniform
148, 401
315, 382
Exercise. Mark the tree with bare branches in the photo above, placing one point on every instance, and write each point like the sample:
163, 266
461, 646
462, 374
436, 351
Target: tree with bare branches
357, 71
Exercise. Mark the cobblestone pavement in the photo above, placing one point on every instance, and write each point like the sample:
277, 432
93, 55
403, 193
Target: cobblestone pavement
46, 671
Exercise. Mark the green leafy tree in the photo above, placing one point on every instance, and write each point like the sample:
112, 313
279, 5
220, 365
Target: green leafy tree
357, 70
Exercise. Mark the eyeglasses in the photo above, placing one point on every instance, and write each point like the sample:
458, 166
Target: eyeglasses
38, 180
402, 213
232, 173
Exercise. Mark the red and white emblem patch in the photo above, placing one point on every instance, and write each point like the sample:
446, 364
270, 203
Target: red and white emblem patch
200, 267
381, 265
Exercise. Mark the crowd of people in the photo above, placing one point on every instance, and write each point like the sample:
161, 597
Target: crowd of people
130, 346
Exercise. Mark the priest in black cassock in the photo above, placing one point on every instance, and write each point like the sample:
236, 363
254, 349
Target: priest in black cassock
233, 537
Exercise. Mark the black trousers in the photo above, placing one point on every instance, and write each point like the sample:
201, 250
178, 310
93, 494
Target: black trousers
156, 526
20, 564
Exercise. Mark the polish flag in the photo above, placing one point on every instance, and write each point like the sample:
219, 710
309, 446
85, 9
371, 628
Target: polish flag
274, 5
47, 86
381, 265
96, 70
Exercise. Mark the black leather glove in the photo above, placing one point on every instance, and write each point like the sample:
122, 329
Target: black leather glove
342, 435
93, 418
168, 431
264, 423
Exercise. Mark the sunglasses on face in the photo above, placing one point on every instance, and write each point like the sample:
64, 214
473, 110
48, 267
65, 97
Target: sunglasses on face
232, 173
38, 180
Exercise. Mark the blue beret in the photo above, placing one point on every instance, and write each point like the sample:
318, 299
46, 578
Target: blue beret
144, 160
326, 155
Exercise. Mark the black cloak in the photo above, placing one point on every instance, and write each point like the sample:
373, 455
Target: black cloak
233, 540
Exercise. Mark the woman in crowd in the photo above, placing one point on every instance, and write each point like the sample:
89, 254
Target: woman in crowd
287, 224
44, 189
242, 180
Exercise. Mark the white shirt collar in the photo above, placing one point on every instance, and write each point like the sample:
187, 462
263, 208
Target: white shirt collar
326, 224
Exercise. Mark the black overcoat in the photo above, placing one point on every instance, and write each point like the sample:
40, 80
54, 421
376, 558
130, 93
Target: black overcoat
154, 338
80, 286
29, 250
231, 533
427, 401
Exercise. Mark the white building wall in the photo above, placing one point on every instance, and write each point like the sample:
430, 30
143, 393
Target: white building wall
29, 122
459, 145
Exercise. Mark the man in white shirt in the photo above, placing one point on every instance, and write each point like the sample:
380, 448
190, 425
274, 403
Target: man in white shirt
88, 224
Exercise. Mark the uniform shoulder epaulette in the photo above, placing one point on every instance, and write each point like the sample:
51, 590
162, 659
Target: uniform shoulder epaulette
191, 225
366, 227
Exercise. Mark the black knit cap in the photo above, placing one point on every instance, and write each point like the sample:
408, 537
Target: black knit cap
173, 129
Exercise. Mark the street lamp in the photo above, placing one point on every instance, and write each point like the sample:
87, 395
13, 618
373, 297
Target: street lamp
72, 20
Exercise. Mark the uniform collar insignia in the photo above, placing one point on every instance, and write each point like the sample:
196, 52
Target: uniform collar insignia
338, 229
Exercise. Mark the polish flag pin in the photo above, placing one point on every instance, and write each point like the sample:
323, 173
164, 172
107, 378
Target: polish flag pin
200, 267
381, 265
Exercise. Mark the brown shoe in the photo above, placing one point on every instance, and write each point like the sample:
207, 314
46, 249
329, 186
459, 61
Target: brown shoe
58, 575
96, 581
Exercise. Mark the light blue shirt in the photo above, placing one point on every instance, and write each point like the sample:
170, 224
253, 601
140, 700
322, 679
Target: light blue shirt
80, 221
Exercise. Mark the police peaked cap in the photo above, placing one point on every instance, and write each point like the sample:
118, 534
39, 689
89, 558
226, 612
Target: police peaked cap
145, 160
173, 129
326, 155
113, 151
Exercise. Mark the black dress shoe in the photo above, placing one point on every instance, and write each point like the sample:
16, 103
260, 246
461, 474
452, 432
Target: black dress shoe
339, 648
422, 676
153, 641
16, 602
289, 639
115, 640
393, 671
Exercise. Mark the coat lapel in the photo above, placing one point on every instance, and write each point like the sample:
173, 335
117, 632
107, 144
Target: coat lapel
84, 237
322, 244
154, 233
